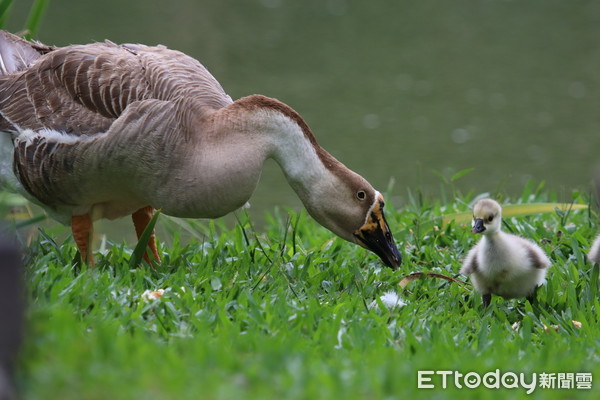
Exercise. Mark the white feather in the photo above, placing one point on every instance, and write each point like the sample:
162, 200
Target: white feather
390, 299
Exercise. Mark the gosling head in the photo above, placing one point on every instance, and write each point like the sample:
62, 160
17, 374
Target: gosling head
353, 210
487, 217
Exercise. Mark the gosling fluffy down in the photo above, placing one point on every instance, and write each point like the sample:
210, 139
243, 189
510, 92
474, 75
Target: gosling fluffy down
594, 254
500, 263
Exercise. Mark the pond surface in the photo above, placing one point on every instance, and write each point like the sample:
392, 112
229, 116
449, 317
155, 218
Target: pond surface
394, 89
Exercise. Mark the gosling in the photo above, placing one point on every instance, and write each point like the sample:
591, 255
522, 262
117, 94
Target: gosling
594, 254
502, 264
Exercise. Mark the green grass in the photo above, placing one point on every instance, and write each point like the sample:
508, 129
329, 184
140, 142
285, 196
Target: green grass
36, 13
293, 313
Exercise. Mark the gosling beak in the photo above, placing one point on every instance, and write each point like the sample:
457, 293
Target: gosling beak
478, 226
375, 235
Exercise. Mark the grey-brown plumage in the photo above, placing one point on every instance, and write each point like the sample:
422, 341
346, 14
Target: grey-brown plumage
101, 88
83, 89
105, 130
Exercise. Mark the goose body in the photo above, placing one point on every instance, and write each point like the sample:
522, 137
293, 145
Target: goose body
105, 131
500, 263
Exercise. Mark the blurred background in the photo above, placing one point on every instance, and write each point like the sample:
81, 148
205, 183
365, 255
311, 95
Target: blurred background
396, 89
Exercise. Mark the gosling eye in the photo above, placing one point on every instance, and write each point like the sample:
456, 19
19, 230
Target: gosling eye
361, 195
490, 218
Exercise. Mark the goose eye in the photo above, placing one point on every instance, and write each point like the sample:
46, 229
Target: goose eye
490, 218
361, 195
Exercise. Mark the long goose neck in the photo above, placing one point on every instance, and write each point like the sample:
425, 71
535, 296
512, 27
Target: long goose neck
297, 155
305, 164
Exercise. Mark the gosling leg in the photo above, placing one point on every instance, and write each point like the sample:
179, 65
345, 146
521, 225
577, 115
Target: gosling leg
532, 297
486, 299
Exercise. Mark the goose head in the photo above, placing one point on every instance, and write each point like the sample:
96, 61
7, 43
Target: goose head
487, 217
353, 210
335, 196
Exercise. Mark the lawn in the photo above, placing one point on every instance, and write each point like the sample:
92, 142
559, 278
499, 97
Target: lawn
290, 312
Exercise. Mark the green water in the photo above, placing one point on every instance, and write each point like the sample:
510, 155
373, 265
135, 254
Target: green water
394, 89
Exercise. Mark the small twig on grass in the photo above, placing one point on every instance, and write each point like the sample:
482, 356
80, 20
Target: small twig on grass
418, 275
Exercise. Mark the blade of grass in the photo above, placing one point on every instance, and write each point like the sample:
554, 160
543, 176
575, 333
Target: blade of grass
5, 6
142, 245
30, 221
244, 233
295, 231
460, 174
184, 224
288, 223
53, 244
35, 16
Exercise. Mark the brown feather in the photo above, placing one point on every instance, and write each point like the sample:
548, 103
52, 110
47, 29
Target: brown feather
83, 89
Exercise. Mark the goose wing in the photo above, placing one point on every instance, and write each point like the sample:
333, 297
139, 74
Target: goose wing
84, 89
61, 170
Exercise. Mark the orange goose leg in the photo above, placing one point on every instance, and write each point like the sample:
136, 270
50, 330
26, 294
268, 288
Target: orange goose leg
83, 230
141, 218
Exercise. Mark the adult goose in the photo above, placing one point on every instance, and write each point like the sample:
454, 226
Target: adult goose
104, 131
500, 263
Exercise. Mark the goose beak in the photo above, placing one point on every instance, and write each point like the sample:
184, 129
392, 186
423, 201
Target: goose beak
478, 226
375, 235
